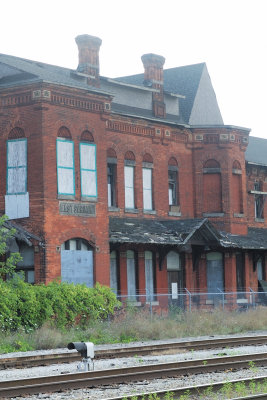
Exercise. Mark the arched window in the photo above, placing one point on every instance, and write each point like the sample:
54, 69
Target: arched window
88, 166
129, 180
77, 262
147, 173
236, 192
173, 185
17, 196
112, 177
65, 163
212, 187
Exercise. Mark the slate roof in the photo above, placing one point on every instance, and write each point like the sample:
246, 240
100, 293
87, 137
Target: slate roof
256, 239
164, 232
180, 80
21, 233
257, 151
181, 232
15, 69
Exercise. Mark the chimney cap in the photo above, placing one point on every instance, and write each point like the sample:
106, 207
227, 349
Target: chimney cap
88, 40
153, 59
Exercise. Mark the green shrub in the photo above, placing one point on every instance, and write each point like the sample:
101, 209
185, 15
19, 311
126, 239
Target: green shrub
27, 307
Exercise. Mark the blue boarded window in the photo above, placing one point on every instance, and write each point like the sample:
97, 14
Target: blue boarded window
17, 166
65, 167
88, 170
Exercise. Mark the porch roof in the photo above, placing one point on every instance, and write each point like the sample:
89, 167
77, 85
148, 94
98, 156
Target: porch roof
256, 239
164, 232
21, 233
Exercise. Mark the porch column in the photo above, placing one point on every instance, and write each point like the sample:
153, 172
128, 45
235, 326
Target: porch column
230, 279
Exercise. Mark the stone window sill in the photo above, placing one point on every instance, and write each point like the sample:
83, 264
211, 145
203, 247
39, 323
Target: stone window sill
259, 220
174, 214
153, 212
236, 215
131, 210
114, 209
213, 215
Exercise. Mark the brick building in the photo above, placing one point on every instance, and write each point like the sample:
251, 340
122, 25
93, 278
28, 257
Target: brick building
134, 182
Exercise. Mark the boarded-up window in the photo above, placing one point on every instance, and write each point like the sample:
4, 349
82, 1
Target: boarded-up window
65, 167
147, 188
113, 272
131, 276
149, 274
212, 187
17, 166
129, 186
17, 197
237, 197
88, 169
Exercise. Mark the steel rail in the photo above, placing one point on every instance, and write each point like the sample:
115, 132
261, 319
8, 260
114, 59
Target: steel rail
196, 390
129, 374
129, 351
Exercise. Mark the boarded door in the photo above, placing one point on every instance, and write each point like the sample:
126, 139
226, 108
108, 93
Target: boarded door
77, 267
175, 279
215, 275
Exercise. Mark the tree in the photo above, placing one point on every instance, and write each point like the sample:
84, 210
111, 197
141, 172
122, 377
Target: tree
8, 261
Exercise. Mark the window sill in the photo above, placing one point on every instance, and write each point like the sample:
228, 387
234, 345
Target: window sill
242, 301
153, 212
153, 303
66, 197
174, 214
90, 199
114, 209
236, 215
213, 215
259, 220
131, 210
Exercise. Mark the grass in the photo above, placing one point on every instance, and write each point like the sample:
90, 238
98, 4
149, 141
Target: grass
137, 325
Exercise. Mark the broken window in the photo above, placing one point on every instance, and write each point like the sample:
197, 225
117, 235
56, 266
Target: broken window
173, 185
112, 172
259, 201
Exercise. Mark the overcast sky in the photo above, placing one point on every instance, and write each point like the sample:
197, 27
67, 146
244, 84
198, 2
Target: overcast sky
229, 35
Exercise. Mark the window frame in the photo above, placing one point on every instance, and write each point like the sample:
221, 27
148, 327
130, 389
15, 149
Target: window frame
19, 166
148, 190
91, 196
59, 167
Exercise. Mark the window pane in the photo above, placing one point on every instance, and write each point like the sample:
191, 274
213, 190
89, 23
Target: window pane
65, 181
65, 154
147, 199
87, 155
147, 178
129, 186
16, 180
88, 179
17, 153
173, 261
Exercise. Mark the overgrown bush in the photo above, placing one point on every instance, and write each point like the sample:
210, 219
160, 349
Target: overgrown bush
27, 307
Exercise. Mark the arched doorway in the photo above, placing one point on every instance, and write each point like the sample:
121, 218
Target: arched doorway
77, 262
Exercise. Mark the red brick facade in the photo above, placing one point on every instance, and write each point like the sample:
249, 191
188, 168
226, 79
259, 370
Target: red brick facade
212, 181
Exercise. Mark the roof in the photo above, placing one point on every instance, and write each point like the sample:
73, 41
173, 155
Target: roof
256, 152
164, 232
14, 70
185, 81
21, 233
256, 239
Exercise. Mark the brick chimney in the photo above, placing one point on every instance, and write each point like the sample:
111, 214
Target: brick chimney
153, 76
88, 47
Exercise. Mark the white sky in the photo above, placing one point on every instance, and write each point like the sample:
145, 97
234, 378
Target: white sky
229, 35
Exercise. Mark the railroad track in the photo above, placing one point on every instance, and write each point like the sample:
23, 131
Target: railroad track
130, 351
190, 391
91, 379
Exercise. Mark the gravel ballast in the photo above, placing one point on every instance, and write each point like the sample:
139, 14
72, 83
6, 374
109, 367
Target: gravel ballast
139, 387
